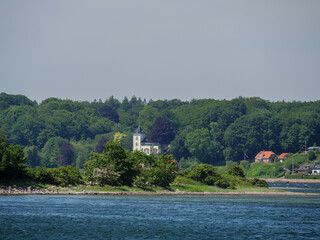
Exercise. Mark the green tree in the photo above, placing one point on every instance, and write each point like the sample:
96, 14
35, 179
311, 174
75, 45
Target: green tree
199, 144
12, 160
117, 157
236, 171
245, 164
66, 154
50, 152
147, 117
143, 163
105, 176
164, 171
312, 155
32, 156
205, 173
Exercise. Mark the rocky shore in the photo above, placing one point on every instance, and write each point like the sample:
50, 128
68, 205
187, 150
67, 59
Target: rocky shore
38, 191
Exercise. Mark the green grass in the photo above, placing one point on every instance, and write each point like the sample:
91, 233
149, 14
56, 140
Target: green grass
180, 184
301, 176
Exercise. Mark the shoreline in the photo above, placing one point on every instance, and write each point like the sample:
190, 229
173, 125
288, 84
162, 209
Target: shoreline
160, 193
283, 180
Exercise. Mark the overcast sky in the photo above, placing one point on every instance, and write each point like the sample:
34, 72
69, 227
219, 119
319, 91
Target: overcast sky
164, 49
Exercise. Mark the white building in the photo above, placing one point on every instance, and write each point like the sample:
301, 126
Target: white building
141, 143
316, 169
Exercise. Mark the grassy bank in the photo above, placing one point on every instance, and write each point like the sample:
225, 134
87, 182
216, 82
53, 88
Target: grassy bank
180, 185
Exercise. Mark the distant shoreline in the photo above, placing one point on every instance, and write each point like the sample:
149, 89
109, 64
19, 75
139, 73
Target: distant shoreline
39, 191
283, 180
160, 193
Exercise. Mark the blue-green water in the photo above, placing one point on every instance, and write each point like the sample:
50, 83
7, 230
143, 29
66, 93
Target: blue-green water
154, 217
297, 187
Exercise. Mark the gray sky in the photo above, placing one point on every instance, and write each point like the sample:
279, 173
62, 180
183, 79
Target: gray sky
165, 49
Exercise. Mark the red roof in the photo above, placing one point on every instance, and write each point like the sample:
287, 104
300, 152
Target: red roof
283, 155
265, 154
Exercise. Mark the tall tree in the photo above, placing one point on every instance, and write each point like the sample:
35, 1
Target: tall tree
116, 159
100, 145
162, 131
66, 154
12, 161
110, 113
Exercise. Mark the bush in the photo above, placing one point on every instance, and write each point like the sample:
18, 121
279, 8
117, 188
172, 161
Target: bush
12, 161
245, 164
164, 172
230, 164
222, 183
210, 180
259, 182
236, 171
105, 176
62, 176
184, 172
312, 155
188, 163
204, 173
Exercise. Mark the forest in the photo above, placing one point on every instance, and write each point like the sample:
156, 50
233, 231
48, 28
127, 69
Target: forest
61, 132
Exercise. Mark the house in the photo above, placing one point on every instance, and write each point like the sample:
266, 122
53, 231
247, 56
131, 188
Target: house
313, 148
141, 143
305, 167
265, 156
316, 169
284, 156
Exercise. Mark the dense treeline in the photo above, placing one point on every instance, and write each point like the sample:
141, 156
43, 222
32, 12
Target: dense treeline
59, 132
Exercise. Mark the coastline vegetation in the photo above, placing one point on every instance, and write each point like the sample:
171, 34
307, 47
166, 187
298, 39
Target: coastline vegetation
117, 169
208, 143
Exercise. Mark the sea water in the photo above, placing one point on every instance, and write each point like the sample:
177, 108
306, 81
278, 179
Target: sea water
159, 217
297, 187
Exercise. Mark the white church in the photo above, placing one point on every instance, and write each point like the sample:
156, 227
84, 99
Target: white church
141, 143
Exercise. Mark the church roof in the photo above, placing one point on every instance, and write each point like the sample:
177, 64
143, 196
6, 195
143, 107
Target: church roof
139, 130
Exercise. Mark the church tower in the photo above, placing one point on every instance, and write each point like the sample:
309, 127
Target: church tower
138, 137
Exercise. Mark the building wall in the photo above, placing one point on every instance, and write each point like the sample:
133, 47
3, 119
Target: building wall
137, 139
140, 146
316, 172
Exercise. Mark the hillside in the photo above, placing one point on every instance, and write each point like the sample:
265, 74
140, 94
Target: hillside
61, 132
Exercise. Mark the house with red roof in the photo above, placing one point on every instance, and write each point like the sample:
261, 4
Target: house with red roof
284, 156
265, 156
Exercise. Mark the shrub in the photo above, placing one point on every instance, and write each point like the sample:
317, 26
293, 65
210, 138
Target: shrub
41, 175
105, 176
245, 164
66, 175
236, 171
205, 173
259, 182
62, 176
222, 183
312, 155
164, 171
210, 180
